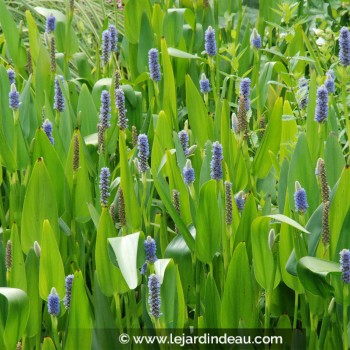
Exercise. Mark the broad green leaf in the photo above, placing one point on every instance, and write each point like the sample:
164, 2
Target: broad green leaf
39, 205
208, 224
16, 314
132, 212
334, 160
289, 221
18, 276
314, 275
32, 274
302, 169
133, 11
238, 306
271, 142
180, 54
339, 209
212, 315
51, 271
125, 250
79, 333
12, 35
200, 122
169, 92
110, 279
89, 116
265, 266
44, 148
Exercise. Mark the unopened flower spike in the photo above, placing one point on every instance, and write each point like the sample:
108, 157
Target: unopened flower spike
245, 91
240, 200
121, 207
329, 82
204, 84
176, 203
8, 257
113, 37
53, 303
14, 98
302, 93
50, 23
234, 123
300, 199
59, 103
37, 249
228, 203
12, 75
255, 39
47, 127
188, 173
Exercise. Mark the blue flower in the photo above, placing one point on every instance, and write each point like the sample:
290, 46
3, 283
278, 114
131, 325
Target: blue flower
188, 173
300, 199
183, 136
154, 301
321, 112
344, 46
68, 296
329, 83
153, 64
120, 104
113, 37
53, 303
47, 127
11, 74
14, 98
255, 39
204, 84
215, 165
50, 23
106, 47
105, 110
59, 104
210, 43
240, 200
104, 185
245, 91
345, 265
142, 144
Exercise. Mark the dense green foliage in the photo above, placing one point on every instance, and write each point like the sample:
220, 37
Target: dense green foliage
238, 247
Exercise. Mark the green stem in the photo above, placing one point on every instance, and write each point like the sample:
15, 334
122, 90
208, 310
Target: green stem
345, 315
118, 312
295, 317
54, 322
198, 287
345, 106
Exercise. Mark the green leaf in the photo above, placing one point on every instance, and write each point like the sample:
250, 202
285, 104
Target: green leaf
238, 307
89, 116
339, 209
208, 223
169, 92
16, 314
289, 221
32, 273
39, 204
334, 160
125, 250
51, 271
314, 275
271, 142
201, 123
212, 302
263, 259
12, 35
109, 276
133, 11
132, 212
181, 54
79, 333
18, 276
48, 344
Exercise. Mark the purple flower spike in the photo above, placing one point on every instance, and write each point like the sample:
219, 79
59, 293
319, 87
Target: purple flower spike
215, 165
210, 43
344, 46
153, 64
300, 199
345, 265
321, 112
104, 185
50, 23
53, 303
154, 301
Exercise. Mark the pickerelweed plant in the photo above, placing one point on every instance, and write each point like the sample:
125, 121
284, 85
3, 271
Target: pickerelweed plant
173, 165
